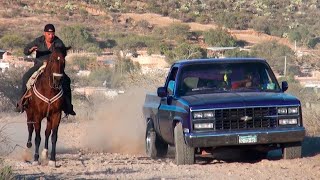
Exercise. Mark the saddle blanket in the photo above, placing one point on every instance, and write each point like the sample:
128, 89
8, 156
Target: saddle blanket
34, 76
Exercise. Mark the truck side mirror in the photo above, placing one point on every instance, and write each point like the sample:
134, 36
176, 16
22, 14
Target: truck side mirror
171, 87
162, 92
284, 86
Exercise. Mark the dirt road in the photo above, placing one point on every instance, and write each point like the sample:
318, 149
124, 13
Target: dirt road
111, 146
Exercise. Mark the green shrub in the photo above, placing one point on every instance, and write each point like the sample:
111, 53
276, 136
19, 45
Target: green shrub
274, 53
82, 62
76, 36
203, 19
234, 20
177, 31
313, 42
219, 37
184, 51
144, 25
260, 24
6, 173
12, 41
98, 76
237, 53
125, 66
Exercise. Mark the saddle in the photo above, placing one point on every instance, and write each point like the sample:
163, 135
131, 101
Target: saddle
32, 80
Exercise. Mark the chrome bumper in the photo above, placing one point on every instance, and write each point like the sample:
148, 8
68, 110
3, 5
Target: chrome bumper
231, 138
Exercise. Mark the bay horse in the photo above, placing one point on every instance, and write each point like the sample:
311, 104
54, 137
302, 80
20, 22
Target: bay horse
45, 101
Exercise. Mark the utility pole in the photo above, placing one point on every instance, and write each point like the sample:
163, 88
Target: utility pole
285, 66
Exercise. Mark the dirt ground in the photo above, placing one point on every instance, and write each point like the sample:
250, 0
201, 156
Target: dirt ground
111, 146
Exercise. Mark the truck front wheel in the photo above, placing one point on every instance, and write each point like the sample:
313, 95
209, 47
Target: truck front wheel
184, 154
155, 147
291, 150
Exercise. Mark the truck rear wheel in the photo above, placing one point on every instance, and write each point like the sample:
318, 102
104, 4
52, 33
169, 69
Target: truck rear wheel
291, 150
155, 147
184, 154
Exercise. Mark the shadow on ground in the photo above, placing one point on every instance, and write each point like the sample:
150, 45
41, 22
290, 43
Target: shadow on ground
310, 146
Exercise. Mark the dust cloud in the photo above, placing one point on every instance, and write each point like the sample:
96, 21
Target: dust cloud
118, 126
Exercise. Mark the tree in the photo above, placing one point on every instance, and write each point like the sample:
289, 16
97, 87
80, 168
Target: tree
12, 41
313, 42
274, 53
219, 37
237, 53
77, 37
177, 31
83, 62
184, 51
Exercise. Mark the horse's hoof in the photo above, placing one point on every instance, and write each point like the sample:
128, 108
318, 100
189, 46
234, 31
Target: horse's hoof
29, 144
44, 154
35, 163
52, 163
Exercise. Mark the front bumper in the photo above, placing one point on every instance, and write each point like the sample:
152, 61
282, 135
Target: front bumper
231, 138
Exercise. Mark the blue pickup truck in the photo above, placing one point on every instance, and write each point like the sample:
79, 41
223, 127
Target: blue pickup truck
210, 103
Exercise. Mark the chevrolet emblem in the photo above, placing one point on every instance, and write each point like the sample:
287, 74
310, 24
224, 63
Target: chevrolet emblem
246, 118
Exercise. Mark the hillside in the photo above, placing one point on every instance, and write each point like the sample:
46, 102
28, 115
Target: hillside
107, 20
31, 13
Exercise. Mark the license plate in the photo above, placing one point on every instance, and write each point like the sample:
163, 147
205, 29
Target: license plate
247, 139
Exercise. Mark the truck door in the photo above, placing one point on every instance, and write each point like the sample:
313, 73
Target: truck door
167, 108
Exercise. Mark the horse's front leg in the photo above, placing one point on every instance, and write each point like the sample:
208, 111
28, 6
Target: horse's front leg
55, 120
30, 130
37, 127
44, 153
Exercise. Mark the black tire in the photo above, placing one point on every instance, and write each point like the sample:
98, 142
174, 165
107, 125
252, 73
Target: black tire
291, 150
184, 154
155, 147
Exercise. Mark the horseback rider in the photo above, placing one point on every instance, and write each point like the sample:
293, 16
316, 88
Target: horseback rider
44, 46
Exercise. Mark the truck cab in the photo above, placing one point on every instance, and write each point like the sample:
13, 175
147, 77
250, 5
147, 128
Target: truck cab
222, 102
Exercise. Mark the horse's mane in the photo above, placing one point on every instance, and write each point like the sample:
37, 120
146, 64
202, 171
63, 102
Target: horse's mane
62, 50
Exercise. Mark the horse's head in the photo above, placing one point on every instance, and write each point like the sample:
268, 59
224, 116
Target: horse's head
56, 65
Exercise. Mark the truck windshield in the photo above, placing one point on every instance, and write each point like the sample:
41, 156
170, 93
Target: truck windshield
231, 77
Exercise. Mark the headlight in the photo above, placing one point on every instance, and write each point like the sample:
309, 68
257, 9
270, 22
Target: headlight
197, 115
282, 111
208, 114
203, 115
288, 121
293, 110
203, 126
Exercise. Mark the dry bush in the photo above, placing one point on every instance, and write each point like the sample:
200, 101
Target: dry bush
6, 172
311, 121
311, 143
4, 141
9, 89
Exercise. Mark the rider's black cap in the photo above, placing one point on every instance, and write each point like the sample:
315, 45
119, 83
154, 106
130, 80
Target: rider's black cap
49, 28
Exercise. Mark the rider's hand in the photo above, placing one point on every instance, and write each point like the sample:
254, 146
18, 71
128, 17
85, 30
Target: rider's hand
34, 48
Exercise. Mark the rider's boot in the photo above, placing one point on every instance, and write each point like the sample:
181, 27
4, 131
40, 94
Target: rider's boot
68, 107
19, 106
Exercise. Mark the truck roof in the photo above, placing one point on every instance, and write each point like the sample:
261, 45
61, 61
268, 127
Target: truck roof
217, 60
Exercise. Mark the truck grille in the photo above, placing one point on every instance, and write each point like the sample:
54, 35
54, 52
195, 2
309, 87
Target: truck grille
248, 118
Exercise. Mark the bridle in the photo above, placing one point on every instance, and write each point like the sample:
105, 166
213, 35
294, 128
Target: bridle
59, 75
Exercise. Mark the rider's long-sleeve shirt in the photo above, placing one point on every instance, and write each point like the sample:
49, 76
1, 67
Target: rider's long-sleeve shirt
42, 50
